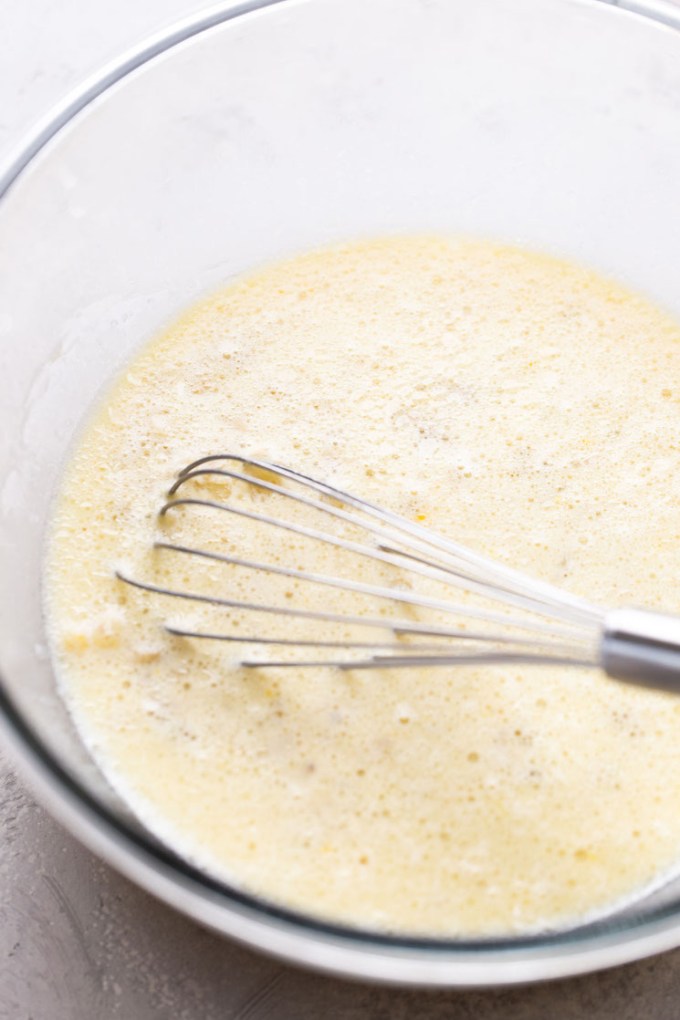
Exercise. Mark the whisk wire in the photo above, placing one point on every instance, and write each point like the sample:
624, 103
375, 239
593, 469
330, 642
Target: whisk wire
634, 645
502, 583
565, 633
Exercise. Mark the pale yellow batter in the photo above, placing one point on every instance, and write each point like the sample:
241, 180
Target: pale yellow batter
521, 405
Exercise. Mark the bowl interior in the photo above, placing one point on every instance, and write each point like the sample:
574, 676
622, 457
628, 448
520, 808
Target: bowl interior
548, 123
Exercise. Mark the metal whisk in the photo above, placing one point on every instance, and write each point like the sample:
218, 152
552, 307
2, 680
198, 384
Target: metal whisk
528, 622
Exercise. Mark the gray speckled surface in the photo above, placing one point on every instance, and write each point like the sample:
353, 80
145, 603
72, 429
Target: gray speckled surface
78, 942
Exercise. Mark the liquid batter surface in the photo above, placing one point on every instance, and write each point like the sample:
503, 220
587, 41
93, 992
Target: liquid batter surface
521, 405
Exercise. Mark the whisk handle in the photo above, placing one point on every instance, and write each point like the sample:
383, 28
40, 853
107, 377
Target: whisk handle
642, 647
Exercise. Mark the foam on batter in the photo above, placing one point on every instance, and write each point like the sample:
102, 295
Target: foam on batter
522, 405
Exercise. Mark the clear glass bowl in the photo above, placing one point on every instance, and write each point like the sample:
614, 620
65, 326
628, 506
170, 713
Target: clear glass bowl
251, 132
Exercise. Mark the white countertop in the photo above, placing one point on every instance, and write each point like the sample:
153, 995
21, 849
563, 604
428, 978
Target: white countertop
78, 942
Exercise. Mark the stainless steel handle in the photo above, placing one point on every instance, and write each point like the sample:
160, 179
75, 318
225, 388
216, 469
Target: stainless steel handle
642, 648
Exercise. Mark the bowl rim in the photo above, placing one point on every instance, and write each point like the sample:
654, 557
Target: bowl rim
285, 934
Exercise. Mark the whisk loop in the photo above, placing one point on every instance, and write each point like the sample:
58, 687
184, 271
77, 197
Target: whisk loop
545, 624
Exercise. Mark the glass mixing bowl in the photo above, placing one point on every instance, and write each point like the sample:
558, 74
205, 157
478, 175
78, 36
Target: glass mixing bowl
248, 133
